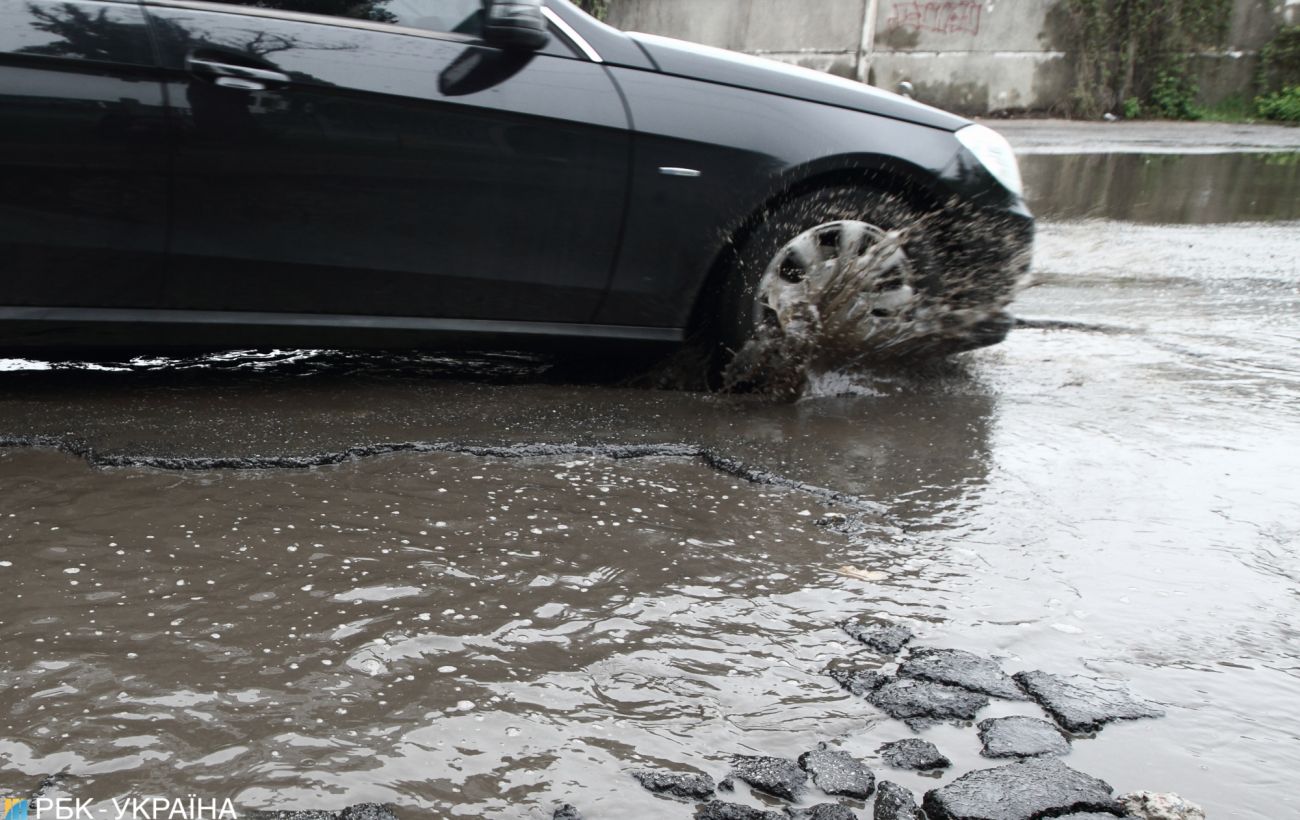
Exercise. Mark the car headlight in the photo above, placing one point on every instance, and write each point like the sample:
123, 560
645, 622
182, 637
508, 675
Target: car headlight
995, 154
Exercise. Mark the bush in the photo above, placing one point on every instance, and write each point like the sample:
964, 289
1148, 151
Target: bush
1174, 96
1281, 105
1139, 50
1279, 61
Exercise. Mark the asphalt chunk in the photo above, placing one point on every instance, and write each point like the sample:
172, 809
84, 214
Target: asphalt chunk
856, 679
566, 812
894, 802
722, 810
53, 782
1158, 806
677, 784
774, 775
361, 811
914, 754
920, 703
838, 773
957, 667
1020, 736
885, 639
1025, 790
1082, 704
823, 811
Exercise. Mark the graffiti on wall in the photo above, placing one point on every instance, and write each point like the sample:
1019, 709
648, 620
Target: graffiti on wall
960, 17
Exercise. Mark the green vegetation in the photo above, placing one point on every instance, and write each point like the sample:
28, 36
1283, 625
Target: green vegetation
1173, 97
1281, 105
1132, 56
1279, 61
1236, 108
596, 8
1279, 77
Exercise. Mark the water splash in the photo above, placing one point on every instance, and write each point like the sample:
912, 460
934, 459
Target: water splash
856, 312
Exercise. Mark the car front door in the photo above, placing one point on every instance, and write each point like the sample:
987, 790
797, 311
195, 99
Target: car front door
83, 187
386, 162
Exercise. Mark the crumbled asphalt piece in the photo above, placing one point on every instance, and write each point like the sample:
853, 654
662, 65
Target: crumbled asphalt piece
894, 802
849, 525
837, 773
51, 783
915, 754
774, 775
856, 679
1024, 790
1020, 736
823, 811
727, 784
686, 786
1081, 704
722, 810
361, 811
957, 667
566, 812
1092, 815
1154, 806
920, 703
368, 811
885, 639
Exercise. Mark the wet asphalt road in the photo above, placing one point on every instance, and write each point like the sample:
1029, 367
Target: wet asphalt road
483, 627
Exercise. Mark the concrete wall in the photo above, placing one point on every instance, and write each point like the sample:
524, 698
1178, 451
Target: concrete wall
964, 55
971, 56
822, 34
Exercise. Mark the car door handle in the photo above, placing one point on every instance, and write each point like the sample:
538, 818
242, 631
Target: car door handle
241, 77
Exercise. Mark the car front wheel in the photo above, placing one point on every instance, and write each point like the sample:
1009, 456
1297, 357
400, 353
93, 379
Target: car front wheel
833, 278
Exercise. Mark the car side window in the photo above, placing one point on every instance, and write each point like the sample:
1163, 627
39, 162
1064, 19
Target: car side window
453, 16
75, 29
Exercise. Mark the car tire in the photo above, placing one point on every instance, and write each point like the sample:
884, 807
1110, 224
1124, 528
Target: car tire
740, 312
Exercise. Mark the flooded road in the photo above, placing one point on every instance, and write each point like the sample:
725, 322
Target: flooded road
471, 590
1164, 188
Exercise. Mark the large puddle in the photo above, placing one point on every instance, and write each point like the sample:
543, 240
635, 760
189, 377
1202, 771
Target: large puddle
465, 625
462, 634
1164, 188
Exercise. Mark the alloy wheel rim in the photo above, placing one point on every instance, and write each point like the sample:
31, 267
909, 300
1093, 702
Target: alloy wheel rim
802, 271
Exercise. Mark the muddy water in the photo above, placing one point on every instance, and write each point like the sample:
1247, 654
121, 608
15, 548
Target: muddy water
1164, 188
447, 632
1110, 492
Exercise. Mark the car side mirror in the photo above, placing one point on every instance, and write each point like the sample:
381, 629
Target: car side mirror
514, 24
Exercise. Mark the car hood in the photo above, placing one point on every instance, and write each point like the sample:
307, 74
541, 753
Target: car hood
716, 65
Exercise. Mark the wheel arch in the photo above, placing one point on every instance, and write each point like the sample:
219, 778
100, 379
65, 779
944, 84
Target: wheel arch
918, 186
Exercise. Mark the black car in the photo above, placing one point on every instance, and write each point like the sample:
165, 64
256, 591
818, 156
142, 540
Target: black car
410, 173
